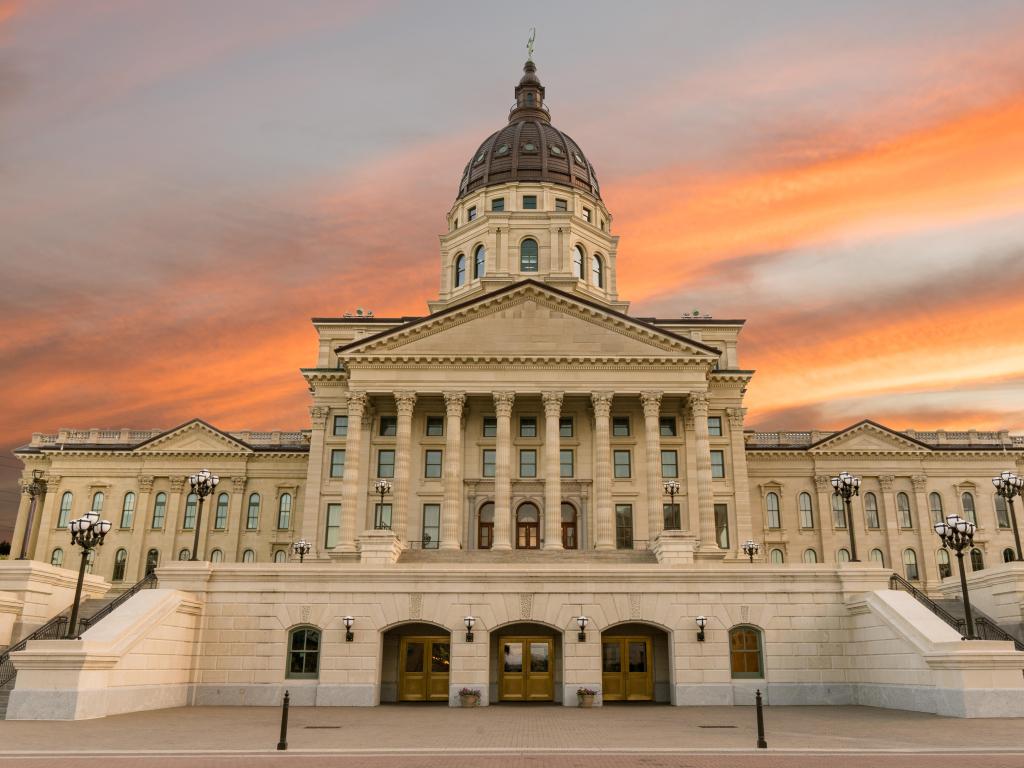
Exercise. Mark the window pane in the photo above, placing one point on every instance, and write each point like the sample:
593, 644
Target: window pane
806, 511
528, 426
561, 205
527, 463
622, 464
333, 525
565, 460
489, 459
253, 517
432, 466
565, 426
667, 426
624, 526
529, 202
385, 464
672, 517
715, 426
340, 426
498, 204
490, 426
528, 256
431, 525
388, 426
722, 525
435, 426
220, 519
338, 463
620, 426
717, 464
669, 464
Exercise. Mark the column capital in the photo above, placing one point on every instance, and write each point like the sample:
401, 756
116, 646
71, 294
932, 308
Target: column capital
602, 403
238, 484
454, 403
697, 403
503, 402
823, 482
651, 402
177, 483
145, 483
920, 483
357, 401
552, 403
886, 482
736, 416
318, 416
405, 401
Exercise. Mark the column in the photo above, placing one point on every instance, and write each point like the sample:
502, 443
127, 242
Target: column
236, 511
651, 402
405, 402
552, 471
689, 509
925, 547
451, 512
311, 508
352, 484
741, 483
604, 521
136, 565
892, 526
698, 402
21, 521
173, 521
826, 518
503, 470
40, 547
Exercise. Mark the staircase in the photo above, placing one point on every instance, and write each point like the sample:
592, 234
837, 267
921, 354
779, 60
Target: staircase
526, 557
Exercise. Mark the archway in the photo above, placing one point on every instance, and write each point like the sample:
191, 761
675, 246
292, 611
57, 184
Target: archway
415, 663
527, 526
635, 663
570, 526
526, 663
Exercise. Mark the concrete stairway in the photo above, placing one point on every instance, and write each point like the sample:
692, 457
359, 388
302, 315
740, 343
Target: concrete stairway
955, 607
566, 557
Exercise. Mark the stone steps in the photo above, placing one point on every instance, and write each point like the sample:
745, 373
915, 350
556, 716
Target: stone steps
569, 558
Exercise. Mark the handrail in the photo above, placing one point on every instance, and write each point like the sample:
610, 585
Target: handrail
146, 582
54, 629
897, 582
988, 630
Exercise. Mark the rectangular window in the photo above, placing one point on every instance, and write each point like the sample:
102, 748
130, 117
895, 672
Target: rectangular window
722, 525
435, 426
528, 463
715, 426
529, 202
565, 426
622, 464
586, 214
623, 526
490, 426
489, 459
385, 463
566, 462
620, 426
388, 426
338, 463
669, 464
341, 426
471, 213
528, 426
561, 205
498, 204
673, 522
667, 426
431, 525
718, 464
432, 464
333, 527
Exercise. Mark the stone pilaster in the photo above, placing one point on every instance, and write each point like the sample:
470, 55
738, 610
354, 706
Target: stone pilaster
405, 403
352, 484
136, 565
698, 404
503, 470
21, 522
173, 521
451, 511
892, 525
826, 519
651, 402
237, 508
311, 508
603, 513
552, 471
923, 518
740, 481
47, 521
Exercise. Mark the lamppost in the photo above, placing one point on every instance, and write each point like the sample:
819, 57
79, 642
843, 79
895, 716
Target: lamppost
203, 482
671, 488
301, 548
1007, 485
958, 533
88, 532
846, 486
750, 548
382, 487
34, 489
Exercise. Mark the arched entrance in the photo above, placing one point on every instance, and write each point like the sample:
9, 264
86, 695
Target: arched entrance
570, 526
485, 526
415, 662
635, 663
527, 526
526, 663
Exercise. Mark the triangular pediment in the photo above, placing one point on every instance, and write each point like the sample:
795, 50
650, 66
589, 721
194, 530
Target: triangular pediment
868, 437
193, 437
531, 320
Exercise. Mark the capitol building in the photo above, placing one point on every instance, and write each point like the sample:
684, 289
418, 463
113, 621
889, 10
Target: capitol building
569, 487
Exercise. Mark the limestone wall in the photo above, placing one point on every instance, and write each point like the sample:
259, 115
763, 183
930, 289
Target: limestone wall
32, 593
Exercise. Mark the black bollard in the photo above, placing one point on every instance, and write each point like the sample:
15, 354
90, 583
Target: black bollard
283, 743
761, 743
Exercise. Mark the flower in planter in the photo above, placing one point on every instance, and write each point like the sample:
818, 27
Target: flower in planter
469, 692
586, 692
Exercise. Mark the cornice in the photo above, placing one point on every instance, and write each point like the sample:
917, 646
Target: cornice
527, 361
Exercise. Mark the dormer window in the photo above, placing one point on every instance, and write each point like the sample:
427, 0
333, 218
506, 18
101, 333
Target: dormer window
529, 148
480, 158
586, 215
556, 150
578, 158
471, 213
498, 204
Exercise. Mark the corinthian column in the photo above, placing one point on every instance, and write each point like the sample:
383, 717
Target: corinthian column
451, 514
552, 471
652, 436
352, 484
740, 481
405, 402
602, 402
318, 415
503, 470
698, 402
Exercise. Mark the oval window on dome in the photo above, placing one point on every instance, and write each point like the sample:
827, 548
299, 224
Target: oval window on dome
578, 158
502, 150
556, 150
479, 158
529, 147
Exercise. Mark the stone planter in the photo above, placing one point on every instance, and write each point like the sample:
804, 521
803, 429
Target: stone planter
469, 700
586, 699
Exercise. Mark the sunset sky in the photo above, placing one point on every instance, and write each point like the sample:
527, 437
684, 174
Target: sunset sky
183, 185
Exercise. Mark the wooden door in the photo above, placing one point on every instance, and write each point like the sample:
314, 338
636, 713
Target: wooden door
423, 664
527, 535
627, 672
527, 668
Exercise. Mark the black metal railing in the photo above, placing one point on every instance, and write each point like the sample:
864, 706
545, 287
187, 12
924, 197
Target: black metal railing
428, 544
898, 582
146, 582
54, 629
988, 630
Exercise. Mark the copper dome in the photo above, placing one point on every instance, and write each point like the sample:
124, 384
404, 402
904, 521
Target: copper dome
529, 148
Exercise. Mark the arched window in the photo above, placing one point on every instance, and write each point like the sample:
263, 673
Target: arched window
152, 560
945, 569
485, 527
65, 510
1009, 555
871, 510
578, 258
460, 270
910, 564
184, 554
838, 511
878, 556
967, 501
304, 653
527, 526
777, 557
843, 556
159, 510
57, 557
771, 502
284, 511
597, 268
977, 561
127, 510
120, 561
220, 518
806, 510
528, 255
216, 556
280, 556
97, 501
479, 262
935, 504
248, 556
810, 556
903, 507
569, 538
745, 655
252, 520
191, 505
1002, 513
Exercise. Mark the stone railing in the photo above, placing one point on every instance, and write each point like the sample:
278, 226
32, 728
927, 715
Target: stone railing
939, 437
129, 437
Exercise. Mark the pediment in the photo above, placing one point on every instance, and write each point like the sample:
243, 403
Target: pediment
868, 437
194, 437
532, 320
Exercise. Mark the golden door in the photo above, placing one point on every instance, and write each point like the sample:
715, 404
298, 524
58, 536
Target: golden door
527, 668
423, 668
626, 669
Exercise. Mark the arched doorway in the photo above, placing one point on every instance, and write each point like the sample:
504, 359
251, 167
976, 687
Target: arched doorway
485, 526
526, 663
635, 663
415, 663
570, 526
527, 526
